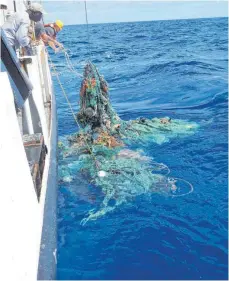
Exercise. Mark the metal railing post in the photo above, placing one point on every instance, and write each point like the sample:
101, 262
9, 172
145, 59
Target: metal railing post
28, 117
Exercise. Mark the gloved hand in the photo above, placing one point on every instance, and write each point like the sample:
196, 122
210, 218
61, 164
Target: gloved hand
61, 46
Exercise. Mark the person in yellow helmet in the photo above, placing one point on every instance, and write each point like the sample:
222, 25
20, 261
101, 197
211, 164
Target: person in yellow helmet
52, 30
48, 33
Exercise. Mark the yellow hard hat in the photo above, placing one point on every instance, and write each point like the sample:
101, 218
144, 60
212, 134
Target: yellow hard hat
59, 23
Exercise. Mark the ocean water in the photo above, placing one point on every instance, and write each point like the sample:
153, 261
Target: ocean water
154, 69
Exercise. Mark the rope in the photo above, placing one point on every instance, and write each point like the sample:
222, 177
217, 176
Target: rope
88, 36
157, 167
70, 64
174, 180
65, 95
73, 114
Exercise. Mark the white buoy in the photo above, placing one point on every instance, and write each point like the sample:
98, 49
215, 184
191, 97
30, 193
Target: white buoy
101, 173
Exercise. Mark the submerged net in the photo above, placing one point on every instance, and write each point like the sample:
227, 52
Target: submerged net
101, 149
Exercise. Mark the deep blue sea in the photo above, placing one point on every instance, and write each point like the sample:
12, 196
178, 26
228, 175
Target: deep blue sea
173, 68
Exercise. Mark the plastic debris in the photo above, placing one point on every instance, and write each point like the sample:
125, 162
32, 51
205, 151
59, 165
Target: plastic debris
101, 148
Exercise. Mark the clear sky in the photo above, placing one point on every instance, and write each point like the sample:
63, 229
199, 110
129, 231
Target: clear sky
72, 12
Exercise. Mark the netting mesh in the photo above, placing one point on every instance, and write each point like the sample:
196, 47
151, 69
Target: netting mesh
95, 106
101, 149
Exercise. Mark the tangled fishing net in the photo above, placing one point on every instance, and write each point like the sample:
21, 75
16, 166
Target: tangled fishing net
102, 153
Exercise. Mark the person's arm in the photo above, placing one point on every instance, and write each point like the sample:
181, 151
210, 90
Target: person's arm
53, 46
24, 40
58, 44
48, 38
22, 34
45, 38
51, 42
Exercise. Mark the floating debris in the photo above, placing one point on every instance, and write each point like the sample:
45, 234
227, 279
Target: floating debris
101, 149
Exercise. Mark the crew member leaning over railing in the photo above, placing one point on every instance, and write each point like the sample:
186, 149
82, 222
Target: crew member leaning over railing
19, 28
48, 32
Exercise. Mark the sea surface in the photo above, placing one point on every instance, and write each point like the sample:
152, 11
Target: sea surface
173, 68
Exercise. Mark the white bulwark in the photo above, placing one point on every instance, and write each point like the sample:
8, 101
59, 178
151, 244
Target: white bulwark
28, 163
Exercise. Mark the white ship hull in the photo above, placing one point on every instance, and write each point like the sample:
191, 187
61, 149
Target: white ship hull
29, 186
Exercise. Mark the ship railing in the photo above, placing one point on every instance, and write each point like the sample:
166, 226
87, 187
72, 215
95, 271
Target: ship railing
31, 82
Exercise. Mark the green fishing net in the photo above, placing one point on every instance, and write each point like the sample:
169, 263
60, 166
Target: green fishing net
101, 150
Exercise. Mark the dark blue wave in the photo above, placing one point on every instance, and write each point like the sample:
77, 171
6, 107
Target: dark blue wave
218, 99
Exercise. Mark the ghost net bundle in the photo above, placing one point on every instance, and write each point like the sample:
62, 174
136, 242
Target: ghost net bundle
102, 144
